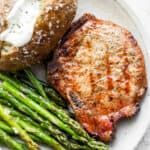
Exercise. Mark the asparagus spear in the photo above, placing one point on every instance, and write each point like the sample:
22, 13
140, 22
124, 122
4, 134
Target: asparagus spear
61, 114
44, 102
35, 130
18, 105
47, 115
25, 137
55, 97
91, 142
50, 92
60, 136
40, 134
10, 131
5, 127
4, 102
26, 100
36, 83
40, 86
10, 142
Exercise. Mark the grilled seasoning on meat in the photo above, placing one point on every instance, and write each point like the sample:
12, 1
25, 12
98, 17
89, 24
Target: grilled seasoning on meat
99, 68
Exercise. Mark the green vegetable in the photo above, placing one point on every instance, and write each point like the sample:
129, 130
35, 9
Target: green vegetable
4, 102
34, 106
61, 114
31, 128
63, 121
60, 136
44, 102
55, 97
36, 83
5, 127
4, 115
10, 131
9, 99
46, 139
10, 142
52, 94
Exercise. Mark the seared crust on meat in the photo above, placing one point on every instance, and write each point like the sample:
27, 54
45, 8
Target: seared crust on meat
55, 18
99, 68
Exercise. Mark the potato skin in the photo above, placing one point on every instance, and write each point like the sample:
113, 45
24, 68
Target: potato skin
55, 18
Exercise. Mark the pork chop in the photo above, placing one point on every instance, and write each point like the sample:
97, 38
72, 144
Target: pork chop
99, 69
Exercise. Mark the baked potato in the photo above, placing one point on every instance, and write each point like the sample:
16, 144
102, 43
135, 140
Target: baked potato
31, 29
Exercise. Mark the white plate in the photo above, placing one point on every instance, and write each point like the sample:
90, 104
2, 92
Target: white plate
129, 132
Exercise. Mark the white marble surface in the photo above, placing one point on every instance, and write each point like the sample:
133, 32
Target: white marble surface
142, 9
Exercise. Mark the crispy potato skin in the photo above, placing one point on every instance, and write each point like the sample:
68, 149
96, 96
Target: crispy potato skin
55, 18
99, 69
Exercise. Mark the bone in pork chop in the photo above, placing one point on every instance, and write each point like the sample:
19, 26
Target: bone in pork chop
99, 68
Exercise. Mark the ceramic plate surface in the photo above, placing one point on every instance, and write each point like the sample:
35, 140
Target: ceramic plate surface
129, 132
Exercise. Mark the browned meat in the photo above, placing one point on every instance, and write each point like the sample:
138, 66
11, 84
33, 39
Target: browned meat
99, 68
